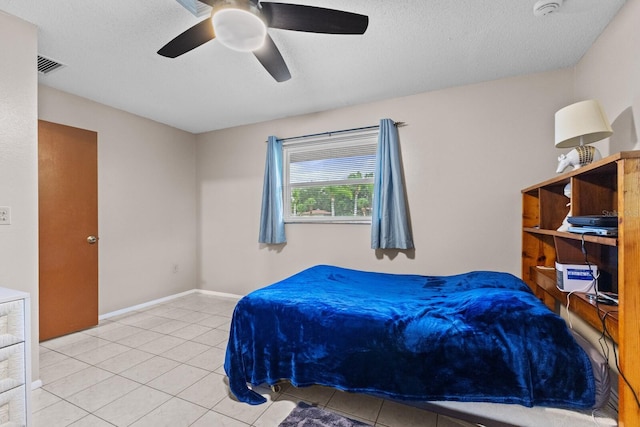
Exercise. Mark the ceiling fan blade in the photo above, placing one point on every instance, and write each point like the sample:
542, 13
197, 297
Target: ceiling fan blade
313, 19
271, 59
195, 36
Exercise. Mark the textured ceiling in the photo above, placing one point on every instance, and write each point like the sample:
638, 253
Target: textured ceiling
411, 46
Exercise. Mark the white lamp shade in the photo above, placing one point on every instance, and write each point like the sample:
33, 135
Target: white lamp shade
581, 123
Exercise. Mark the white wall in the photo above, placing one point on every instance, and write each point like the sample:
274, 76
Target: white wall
19, 163
146, 200
467, 151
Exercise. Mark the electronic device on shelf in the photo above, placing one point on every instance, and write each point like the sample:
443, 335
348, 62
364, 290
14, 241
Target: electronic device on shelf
594, 220
597, 231
607, 298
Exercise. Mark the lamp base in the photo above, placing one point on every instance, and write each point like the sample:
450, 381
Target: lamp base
578, 157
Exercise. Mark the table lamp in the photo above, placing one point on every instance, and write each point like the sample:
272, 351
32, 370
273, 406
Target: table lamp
577, 125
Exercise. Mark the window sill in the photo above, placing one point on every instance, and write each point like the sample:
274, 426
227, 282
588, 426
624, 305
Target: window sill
327, 221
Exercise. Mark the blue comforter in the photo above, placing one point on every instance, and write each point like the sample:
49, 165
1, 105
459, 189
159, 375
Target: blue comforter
479, 336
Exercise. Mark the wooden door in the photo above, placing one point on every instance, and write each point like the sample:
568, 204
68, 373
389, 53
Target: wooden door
68, 219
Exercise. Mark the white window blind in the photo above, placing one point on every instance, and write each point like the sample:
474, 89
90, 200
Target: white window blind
329, 178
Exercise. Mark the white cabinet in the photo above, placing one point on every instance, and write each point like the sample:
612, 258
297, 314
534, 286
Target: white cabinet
15, 358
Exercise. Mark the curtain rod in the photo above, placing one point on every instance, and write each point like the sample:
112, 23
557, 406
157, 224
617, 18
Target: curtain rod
397, 124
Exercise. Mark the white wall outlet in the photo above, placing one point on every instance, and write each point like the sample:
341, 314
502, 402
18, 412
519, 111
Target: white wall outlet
5, 215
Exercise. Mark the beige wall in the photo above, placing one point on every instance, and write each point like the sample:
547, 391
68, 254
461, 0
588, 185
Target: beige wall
610, 72
467, 151
146, 200
18, 163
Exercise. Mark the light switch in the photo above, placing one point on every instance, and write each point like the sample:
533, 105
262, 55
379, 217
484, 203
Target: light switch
5, 215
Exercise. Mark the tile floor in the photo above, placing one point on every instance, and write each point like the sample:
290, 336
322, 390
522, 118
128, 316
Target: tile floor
162, 366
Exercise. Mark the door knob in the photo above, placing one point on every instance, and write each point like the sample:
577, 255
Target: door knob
92, 239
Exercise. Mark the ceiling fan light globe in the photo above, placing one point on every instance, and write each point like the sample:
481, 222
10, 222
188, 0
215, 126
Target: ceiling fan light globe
239, 29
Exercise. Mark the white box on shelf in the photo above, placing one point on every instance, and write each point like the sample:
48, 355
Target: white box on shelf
577, 277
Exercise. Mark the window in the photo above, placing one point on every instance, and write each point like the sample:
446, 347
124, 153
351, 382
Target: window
329, 178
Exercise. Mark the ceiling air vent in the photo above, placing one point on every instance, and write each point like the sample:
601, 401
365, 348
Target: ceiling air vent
46, 65
197, 8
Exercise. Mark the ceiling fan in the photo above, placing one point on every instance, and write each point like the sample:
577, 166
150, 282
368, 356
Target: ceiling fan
242, 25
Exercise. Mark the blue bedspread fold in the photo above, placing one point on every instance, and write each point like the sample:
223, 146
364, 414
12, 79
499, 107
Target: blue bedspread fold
480, 336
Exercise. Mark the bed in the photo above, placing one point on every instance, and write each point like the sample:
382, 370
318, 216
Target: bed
475, 337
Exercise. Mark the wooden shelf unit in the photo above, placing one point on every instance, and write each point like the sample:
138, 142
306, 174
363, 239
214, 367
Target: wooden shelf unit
610, 186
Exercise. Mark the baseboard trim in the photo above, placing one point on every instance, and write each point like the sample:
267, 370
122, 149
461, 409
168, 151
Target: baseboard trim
36, 384
166, 299
220, 294
145, 304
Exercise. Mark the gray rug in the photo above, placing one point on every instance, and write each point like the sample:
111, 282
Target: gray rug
305, 415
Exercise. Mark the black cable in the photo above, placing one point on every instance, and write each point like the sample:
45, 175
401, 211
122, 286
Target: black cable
605, 331
615, 355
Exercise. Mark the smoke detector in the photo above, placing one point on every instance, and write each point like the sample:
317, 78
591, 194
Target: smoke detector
545, 7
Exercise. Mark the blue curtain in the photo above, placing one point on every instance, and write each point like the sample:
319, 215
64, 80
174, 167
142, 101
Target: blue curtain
272, 215
389, 222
